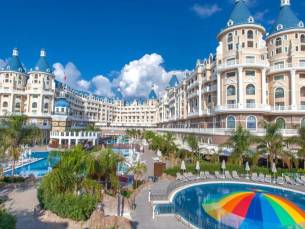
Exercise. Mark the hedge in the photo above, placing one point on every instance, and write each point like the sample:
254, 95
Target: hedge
70, 206
7, 220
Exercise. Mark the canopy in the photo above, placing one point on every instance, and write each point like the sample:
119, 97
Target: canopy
255, 210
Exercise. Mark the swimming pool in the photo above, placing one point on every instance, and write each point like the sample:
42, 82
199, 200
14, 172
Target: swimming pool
243, 206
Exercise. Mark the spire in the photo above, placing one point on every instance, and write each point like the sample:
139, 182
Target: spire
42, 64
13, 63
173, 81
43, 53
287, 19
152, 95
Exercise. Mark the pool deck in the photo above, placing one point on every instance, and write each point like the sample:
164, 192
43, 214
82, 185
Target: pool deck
25, 164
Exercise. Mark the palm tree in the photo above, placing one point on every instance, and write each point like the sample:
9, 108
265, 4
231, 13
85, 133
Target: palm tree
300, 142
14, 134
239, 141
138, 170
272, 143
192, 141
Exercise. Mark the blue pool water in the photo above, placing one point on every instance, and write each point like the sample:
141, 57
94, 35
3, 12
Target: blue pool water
188, 203
41, 167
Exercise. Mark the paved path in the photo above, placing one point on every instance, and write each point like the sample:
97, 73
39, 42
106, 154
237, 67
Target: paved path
142, 216
21, 203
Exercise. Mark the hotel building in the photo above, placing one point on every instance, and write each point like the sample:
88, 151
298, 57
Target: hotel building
254, 75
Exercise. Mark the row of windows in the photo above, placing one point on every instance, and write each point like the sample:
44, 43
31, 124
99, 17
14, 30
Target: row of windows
250, 90
17, 105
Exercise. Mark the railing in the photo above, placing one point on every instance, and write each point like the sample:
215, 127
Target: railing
194, 94
81, 134
209, 89
237, 63
282, 66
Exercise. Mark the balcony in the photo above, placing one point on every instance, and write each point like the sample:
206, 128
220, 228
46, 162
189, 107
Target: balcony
192, 95
245, 107
193, 85
245, 63
193, 114
286, 67
208, 89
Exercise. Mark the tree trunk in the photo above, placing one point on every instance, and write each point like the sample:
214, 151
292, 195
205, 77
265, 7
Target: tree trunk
13, 167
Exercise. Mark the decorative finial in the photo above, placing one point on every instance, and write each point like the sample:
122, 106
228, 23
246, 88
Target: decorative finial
15, 52
43, 53
285, 3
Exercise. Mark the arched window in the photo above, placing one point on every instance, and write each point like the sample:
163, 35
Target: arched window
279, 93
4, 104
230, 37
250, 34
281, 122
46, 106
302, 92
251, 122
250, 90
302, 38
34, 105
17, 105
231, 91
231, 122
278, 41
209, 98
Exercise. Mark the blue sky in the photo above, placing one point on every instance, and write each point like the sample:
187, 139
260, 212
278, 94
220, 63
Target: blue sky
100, 37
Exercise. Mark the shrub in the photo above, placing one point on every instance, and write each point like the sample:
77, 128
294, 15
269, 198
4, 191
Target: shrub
7, 221
14, 179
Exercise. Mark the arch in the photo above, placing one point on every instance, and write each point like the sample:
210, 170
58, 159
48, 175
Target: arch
281, 122
251, 122
230, 38
303, 122
4, 104
302, 38
250, 34
250, 89
34, 105
231, 90
279, 93
231, 122
278, 41
302, 91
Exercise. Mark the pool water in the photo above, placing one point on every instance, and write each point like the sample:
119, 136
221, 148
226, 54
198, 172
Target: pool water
39, 168
191, 204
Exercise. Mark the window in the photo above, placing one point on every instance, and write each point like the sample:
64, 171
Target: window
302, 92
279, 93
231, 122
231, 61
250, 73
250, 44
209, 98
302, 38
280, 77
17, 105
250, 89
231, 74
250, 59
303, 122
250, 34
278, 41
230, 38
302, 48
279, 27
251, 122
281, 123
34, 105
302, 63
46, 106
5, 104
230, 46
231, 91
250, 103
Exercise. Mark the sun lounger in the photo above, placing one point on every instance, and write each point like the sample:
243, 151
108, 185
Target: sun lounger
261, 177
235, 175
179, 177
289, 180
190, 176
208, 175
268, 179
299, 181
228, 175
280, 180
254, 177
218, 176
202, 175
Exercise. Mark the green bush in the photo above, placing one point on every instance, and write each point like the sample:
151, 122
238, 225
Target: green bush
70, 206
7, 221
14, 179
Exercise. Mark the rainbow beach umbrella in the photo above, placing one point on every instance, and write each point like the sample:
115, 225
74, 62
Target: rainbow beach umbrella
255, 210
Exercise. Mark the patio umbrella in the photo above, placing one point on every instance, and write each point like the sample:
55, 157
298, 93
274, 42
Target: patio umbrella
223, 165
273, 169
197, 166
159, 154
183, 168
247, 168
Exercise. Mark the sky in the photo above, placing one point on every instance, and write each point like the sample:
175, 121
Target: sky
125, 44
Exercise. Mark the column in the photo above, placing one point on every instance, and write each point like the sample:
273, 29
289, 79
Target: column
200, 100
264, 98
293, 90
218, 89
240, 88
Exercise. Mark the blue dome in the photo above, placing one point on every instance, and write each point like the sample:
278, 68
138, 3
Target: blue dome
14, 63
173, 81
286, 20
62, 102
42, 64
152, 94
240, 15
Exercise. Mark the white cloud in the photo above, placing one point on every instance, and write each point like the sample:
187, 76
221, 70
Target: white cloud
205, 11
102, 85
2, 63
134, 80
260, 15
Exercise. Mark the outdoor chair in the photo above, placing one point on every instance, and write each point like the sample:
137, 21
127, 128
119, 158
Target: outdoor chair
299, 181
290, 181
202, 175
303, 179
254, 177
179, 177
280, 180
261, 177
228, 175
218, 176
235, 175
208, 175
268, 179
